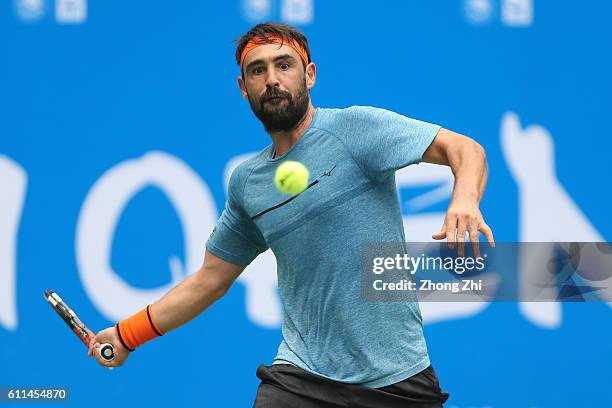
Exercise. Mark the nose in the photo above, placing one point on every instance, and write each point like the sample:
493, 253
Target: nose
271, 79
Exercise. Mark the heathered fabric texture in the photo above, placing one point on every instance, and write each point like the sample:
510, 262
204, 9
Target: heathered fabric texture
328, 328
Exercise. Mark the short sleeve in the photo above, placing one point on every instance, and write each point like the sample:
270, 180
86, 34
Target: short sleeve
382, 141
235, 238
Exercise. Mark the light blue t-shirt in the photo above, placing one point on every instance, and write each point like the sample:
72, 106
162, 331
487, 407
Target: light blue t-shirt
328, 327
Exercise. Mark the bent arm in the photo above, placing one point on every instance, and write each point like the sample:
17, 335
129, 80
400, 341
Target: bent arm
466, 158
468, 161
196, 293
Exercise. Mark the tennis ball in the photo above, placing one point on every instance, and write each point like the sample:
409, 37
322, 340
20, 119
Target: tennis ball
291, 177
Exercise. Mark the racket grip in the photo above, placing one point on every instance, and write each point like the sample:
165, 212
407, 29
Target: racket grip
107, 351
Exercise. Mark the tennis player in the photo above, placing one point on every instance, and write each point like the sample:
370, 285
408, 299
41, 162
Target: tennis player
338, 350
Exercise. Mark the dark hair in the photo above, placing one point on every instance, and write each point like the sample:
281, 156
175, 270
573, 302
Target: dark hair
263, 30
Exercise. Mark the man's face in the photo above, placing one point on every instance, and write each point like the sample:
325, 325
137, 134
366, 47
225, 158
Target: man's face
276, 86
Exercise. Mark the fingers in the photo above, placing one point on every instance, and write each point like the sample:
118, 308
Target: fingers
461, 228
475, 242
94, 351
488, 233
91, 346
99, 358
451, 226
439, 235
442, 234
455, 228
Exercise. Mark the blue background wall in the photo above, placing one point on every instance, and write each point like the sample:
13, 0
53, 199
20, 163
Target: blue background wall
134, 77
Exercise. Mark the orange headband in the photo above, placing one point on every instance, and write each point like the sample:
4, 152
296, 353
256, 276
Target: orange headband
273, 39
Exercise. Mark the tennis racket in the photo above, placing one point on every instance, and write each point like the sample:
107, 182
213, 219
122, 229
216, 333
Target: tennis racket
107, 352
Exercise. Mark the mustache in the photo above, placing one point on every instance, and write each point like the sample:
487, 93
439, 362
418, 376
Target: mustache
274, 93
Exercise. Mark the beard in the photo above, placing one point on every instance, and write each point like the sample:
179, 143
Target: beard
282, 113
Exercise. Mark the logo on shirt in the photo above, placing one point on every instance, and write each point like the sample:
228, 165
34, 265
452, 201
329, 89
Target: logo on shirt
328, 173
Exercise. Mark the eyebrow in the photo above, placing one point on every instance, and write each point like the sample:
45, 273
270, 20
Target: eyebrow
261, 61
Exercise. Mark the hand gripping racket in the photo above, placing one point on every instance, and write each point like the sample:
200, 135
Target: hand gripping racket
107, 352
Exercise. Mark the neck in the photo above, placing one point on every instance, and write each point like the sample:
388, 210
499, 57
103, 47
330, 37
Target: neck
283, 141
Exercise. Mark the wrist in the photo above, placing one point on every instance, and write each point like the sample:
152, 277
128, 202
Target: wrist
470, 195
138, 329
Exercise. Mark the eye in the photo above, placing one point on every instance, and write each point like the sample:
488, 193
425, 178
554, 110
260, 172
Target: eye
284, 66
257, 70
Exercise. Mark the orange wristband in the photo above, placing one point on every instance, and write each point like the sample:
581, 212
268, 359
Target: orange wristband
138, 329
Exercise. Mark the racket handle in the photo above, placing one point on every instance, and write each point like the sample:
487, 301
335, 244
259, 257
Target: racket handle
107, 351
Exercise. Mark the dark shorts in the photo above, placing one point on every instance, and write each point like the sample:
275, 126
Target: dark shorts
285, 385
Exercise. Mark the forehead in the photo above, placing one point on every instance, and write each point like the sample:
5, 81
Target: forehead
268, 52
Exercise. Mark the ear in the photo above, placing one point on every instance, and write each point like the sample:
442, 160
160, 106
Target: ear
311, 75
242, 88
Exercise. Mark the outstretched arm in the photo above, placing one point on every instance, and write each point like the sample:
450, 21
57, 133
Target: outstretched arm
180, 305
467, 160
196, 293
